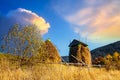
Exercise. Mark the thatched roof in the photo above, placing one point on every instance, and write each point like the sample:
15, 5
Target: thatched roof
76, 42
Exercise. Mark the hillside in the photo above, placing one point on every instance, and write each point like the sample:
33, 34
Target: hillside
107, 49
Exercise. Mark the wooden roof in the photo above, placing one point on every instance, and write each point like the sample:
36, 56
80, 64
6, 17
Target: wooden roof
76, 42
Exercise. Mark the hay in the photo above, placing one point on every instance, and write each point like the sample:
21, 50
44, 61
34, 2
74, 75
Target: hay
81, 52
52, 52
86, 55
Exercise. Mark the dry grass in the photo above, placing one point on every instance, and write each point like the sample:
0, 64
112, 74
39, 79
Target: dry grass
56, 72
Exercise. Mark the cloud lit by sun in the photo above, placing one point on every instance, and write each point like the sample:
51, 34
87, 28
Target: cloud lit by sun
26, 17
96, 20
40, 23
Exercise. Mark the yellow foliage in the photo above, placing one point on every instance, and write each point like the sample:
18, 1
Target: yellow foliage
116, 56
109, 57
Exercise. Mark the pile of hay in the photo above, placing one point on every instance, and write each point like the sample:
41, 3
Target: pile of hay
86, 55
53, 55
81, 52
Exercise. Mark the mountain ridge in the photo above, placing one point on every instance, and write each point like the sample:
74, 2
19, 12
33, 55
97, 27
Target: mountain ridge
107, 49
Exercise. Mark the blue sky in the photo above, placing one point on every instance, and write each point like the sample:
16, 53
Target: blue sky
94, 22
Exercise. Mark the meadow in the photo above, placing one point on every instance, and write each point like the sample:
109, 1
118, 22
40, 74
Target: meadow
55, 72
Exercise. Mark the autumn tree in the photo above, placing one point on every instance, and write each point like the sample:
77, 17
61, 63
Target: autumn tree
25, 42
112, 62
100, 60
116, 56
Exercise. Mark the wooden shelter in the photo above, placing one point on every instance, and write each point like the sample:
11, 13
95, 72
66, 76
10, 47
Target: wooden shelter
79, 52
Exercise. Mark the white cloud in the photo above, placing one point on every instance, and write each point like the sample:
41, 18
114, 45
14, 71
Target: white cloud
26, 17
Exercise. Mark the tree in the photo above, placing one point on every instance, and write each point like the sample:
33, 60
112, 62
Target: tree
25, 42
100, 60
116, 56
108, 57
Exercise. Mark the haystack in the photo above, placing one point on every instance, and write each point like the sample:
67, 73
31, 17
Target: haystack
79, 52
53, 55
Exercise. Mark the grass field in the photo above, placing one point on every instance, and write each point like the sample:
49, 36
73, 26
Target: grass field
56, 72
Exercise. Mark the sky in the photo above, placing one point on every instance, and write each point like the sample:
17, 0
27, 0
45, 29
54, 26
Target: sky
95, 22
